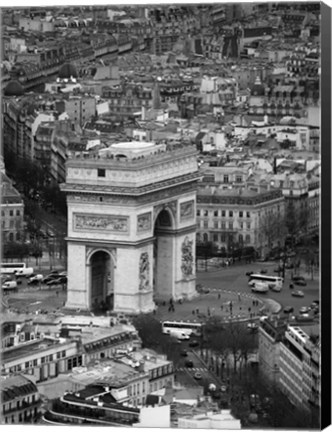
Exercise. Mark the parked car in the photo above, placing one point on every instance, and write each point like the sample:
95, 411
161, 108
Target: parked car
297, 294
9, 285
184, 353
297, 278
197, 375
50, 277
189, 364
304, 309
288, 309
194, 343
300, 282
35, 279
304, 318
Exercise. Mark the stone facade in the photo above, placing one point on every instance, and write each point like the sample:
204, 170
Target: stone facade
138, 210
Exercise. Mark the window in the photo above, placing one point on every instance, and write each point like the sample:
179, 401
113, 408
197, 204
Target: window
215, 237
230, 213
2, 213
241, 214
18, 213
230, 225
205, 224
101, 172
11, 213
216, 225
206, 213
35, 362
215, 213
223, 225
205, 237
241, 225
248, 214
198, 213
225, 178
238, 179
247, 238
248, 225
222, 238
223, 213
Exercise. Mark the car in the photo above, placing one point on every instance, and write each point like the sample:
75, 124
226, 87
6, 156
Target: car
252, 327
50, 277
194, 343
300, 282
304, 317
184, 353
316, 302
304, 309
197, 375
297, 294
297, 278
35, 279
288, 309
189, 364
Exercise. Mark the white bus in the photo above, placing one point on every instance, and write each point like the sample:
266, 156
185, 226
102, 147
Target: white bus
275, 283
11, 268
189, 328
261, 287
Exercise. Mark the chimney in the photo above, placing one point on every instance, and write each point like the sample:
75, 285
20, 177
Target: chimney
141, 366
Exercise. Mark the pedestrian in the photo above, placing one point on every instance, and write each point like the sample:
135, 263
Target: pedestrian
222, 307
193, 312
197, 311
249, 309
169, 308
57, 293
219, 296
239, 297
253, 302
154, 311
208, 311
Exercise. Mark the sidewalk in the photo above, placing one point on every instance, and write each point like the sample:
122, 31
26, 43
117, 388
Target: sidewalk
224, 304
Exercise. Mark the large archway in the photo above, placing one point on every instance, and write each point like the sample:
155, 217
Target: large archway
101, 281
163, 256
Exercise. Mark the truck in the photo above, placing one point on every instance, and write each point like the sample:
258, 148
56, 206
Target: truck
27, 271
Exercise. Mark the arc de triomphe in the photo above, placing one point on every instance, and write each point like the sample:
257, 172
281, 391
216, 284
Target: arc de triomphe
131, 226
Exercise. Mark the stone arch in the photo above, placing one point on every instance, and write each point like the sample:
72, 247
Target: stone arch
101, 265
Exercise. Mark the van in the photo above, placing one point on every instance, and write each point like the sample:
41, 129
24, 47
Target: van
27, 271
9, 285
179, 335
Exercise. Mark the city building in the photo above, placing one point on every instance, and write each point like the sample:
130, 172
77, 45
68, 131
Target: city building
20, 400
270, 334
12, 212
210, 420
234, 216
299, 367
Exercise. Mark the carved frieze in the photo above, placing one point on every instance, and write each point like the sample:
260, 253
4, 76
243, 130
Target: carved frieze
144, 272
96, 222
144, 222
187, 210
187, 257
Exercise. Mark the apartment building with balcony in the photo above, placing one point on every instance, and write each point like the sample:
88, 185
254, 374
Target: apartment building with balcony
12, 212
235, 213
20, 400
300, 368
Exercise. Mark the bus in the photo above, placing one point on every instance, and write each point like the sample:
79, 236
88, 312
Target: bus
189, 328
273, 282
261, 287
12, 268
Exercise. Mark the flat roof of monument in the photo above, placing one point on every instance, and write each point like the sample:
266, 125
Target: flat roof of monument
133, 145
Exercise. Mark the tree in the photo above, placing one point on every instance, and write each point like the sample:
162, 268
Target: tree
150, 332
13, 250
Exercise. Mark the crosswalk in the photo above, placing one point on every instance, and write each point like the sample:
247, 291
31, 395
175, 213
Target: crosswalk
199, 369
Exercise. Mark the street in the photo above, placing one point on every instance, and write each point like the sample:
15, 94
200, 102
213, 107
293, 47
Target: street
234, 279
